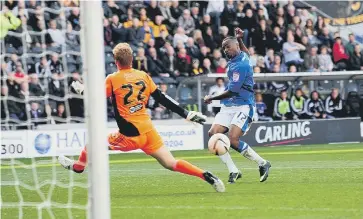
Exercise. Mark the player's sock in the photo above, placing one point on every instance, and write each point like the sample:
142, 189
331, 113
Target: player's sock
250, 154
226, 159
185, 167
79, 165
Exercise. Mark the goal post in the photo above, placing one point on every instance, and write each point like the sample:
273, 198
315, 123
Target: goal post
95, 100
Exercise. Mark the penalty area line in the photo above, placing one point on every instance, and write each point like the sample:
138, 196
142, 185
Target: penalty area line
207, 156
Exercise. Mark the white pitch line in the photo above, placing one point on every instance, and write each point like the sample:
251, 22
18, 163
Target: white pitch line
238, 208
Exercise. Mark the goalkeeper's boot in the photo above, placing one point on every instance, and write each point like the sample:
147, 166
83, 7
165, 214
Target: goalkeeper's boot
68, 163
214, 181
264, 170
233, 177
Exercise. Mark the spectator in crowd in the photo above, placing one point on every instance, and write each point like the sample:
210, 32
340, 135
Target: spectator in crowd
111, 8
198, 38
311, 60
55, 65
272, 10
297, 105
192, 49
334, 105
72, 38
282, 107
324, 60
155, 65
175, 10
260, 38
326, 39
153, 10
195, 14
186, 22
42, 68
196, 69
56, 86
349, 47
147, 32
228, 16
261, 108
203, 53
315, 106
160, 30
310, 26
49, 114
340, 57
169, 60
207, 66
296, 23
60, 115
292, 69
8, 22
184, 63
180, 36
356, 59
248, 25
140, 62
36, 113
291, 51
276, 41
256, 69
269, 59
56, 34
209, 39
253, 56
35, 89
206, 22
214, 9
222, 66
216, 89
261, 63
278, 65
312, 39
135, 35
74, 19
11, 65
119, 33
223, 33
216, 57
107, 33
166, 13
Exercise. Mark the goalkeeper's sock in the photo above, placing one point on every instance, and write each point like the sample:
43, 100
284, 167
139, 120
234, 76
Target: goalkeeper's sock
226, 159
185, 167
250, 154
79, 165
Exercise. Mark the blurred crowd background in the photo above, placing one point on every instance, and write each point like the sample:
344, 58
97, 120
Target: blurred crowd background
172, 41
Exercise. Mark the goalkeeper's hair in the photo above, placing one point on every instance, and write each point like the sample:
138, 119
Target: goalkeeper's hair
122, 53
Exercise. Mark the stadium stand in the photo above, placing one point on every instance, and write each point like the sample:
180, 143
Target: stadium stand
172, 41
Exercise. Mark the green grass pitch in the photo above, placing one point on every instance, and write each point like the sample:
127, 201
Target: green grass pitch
319, 181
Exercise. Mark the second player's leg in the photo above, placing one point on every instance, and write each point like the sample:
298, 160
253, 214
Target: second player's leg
167, 160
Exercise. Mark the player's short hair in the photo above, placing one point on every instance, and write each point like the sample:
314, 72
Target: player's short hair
229, 38
122, 53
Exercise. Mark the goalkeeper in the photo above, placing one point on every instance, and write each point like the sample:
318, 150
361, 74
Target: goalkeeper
129, 90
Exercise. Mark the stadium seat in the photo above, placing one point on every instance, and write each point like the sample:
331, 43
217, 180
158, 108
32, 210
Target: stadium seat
108, 49
157, 80
109, 58
168, 80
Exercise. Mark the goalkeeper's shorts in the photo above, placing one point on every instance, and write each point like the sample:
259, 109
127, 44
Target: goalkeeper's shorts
149, 142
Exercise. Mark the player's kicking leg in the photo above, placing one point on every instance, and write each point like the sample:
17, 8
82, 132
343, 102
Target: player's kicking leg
234, 173
76, 166
167, 160
243, 148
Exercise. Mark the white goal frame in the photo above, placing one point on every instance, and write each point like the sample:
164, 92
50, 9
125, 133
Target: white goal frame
95, 102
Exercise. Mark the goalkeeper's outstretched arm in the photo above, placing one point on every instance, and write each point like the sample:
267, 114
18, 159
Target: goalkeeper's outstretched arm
173, 105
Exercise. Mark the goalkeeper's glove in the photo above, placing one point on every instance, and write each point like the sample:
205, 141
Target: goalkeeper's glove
78, 87
197, 117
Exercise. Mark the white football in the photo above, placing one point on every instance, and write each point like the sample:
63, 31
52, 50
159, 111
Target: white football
219, 144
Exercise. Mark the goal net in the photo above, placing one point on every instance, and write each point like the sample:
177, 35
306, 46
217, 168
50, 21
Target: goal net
47, 46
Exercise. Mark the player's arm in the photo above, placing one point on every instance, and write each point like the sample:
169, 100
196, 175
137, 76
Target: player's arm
79, 87
239, 35
226, 94
173, 105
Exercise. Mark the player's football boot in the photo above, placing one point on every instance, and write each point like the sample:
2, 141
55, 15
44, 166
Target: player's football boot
233, 177
67, 163
264, 169
214, 181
